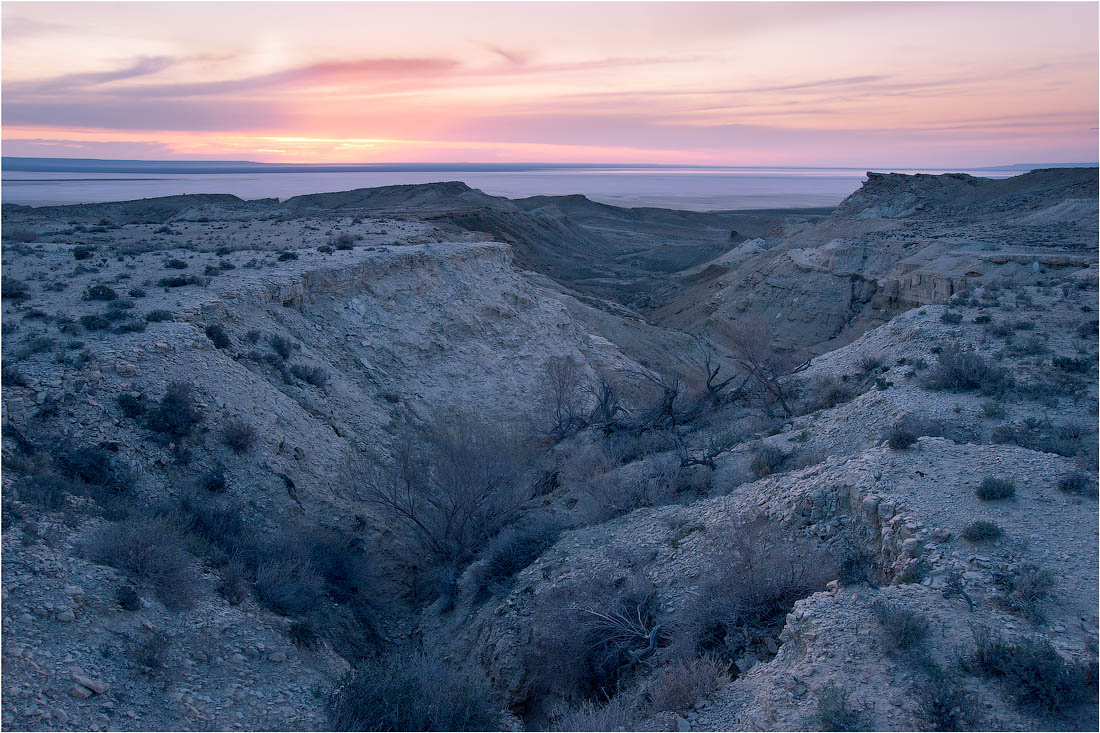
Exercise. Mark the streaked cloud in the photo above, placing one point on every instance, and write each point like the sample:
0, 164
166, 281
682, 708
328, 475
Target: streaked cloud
817, 83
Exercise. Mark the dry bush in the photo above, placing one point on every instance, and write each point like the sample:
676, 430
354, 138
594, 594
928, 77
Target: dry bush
945, 705
289, 585
239, 435
836, 712
310, 374
995, 489
823, 394
590, 634
177, 413
1036, 675
513, 549
454, 483
563, 397
608, 489
410, 691
750, 343
1028, 588
680, 685
901, 627
962, 371
620, 713
766, 459
760, 571
151, 550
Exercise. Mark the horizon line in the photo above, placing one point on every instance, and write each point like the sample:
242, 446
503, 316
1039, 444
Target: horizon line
20, 161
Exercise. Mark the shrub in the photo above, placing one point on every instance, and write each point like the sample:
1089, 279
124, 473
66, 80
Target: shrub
131, 406
902, 628
131, 325
516, 547
177, 412
13, 288
1065, 439
100, 292
835, 712
12, 375
218, 336
281, 346
1036, 675
455, 483
302, 633
343, 241
285, 256
288, 585
1027, 587
158, 316
152, 551
759, 574
174, 264
982, 531
239, 435
951, 317
1072, 365
679, 686
127, 598
410, 691
620, 713
766, 459
315, 375
20, 234
1078, 483
325, 249
945, 705
827, 393
994, 489
46, 490
983, 318
962, 371
137, 292
591, 634
899, 437
179, 281
252, 335
214, 480
869, 364
83, 253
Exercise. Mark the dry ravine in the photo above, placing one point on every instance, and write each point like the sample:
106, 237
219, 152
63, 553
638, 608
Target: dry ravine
422, 458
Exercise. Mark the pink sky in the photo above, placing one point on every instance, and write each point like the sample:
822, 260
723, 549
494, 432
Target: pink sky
849, 84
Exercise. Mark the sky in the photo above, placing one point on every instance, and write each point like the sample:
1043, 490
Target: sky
786, 84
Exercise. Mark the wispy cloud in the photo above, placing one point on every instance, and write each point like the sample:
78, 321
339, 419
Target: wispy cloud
141, 66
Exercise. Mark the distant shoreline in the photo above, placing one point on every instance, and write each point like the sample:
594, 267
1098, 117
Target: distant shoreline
98, 165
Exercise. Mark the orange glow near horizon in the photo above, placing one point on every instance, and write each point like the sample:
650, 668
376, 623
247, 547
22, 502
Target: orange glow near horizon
950, 84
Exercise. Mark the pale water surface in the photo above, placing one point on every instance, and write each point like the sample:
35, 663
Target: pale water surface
674, 188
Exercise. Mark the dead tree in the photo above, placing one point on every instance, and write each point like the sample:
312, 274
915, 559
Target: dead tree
664, 411
564, 397
607, 404
750, 341
453, 483
711, 368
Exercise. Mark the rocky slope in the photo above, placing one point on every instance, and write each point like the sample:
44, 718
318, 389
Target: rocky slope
898, 242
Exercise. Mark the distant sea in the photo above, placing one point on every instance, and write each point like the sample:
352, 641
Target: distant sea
695, 189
